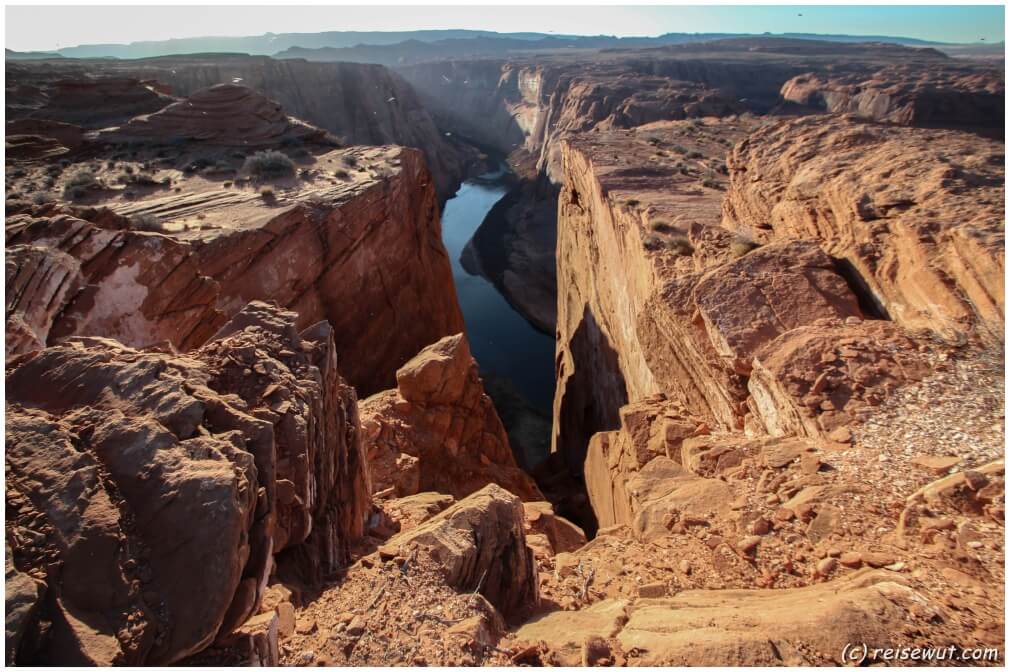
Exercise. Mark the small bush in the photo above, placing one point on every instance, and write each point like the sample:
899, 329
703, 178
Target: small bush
146, 222
350, 160
661, 226
268, 194
711, 183
741, 245
681, 245
42, 197
269, 164
632, 202
342, 174
693, 155
79, 184
652, 242
54, 170
679, 149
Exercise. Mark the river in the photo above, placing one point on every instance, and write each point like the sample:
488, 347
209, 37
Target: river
516, 361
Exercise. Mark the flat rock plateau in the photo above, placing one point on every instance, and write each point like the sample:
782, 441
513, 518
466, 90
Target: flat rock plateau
244, 425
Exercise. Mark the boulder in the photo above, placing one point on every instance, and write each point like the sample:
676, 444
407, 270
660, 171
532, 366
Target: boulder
438, 430
480, 545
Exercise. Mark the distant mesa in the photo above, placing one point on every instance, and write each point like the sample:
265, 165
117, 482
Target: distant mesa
224, 114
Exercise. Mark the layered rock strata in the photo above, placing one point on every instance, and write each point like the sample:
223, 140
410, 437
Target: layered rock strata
315, 248
137, 479
224, 114
438, 430
914, 213
358, 103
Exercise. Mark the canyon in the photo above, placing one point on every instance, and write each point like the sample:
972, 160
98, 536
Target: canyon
238, 341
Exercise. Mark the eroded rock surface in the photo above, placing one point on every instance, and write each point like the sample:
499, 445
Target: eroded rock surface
224, 114
138, 479
480, 545
913, 212
315, 248
438, 431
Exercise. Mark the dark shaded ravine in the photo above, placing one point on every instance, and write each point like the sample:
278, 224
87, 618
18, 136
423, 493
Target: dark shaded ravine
516, 360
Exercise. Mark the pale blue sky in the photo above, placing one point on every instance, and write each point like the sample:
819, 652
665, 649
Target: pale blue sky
39, 28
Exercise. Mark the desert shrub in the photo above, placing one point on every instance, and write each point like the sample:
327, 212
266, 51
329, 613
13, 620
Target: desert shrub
632, 202
350, 160
661, 226
269, 164
652, 242
42, 197
680, 244
268, 194
741, 245
54, 169
146, 222
711, 183
79, 184
342, 174
693, 154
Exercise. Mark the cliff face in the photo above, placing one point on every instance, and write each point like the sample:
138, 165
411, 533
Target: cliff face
915, 213
362, 104
329, 249
777, 328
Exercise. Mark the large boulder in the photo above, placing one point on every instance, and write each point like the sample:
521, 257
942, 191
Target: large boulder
481, 546
151, 490
438, 430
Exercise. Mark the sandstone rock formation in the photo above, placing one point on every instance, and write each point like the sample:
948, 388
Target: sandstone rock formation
38, 284
309, 250
94, 102
438, 431
137, 480
481, 546
361, 104
913, 212
224, 114
800, 626
906, 96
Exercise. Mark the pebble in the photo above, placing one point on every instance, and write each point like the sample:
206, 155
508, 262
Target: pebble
826, 566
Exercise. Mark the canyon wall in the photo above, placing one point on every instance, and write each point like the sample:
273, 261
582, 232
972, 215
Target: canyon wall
365, 255
361, 104
731, 311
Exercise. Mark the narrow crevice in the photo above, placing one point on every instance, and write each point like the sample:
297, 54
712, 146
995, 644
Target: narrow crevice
871, 306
